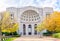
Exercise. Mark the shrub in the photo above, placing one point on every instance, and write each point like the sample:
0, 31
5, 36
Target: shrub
48, 33
56, 35
16, 35
6, 33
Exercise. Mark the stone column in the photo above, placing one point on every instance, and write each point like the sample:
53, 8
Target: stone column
26, 29
21, 29
32, 29
19, 26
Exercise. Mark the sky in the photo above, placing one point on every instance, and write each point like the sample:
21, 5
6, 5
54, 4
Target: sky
55, 4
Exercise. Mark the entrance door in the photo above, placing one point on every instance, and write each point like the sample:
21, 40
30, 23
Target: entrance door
29, 29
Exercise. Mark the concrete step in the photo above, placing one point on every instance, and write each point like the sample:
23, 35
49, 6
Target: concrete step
35, 36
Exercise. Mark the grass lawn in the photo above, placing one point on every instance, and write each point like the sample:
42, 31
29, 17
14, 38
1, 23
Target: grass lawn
10, 39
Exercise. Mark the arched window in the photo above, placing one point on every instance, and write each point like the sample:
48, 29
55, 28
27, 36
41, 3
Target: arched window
12, 16
30, 29
24, 29
29, 26
35, 26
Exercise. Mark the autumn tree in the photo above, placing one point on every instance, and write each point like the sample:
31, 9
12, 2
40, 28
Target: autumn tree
6, 23
40, 27
52, 22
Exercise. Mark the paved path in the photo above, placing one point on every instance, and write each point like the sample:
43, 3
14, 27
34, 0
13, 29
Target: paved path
36, 39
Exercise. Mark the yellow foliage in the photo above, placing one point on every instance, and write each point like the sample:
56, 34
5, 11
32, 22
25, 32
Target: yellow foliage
53, 22
7, 24
11, 29
40, 27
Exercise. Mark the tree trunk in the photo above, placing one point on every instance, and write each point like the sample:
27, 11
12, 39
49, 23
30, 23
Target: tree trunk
12, 33
0, 34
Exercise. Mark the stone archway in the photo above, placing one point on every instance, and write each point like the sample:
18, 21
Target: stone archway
28, 18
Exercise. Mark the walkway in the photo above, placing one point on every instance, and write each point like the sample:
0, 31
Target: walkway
36, 39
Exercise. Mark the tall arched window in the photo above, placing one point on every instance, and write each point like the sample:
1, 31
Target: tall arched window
35, 31
12, 16
30, 29
24, 29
